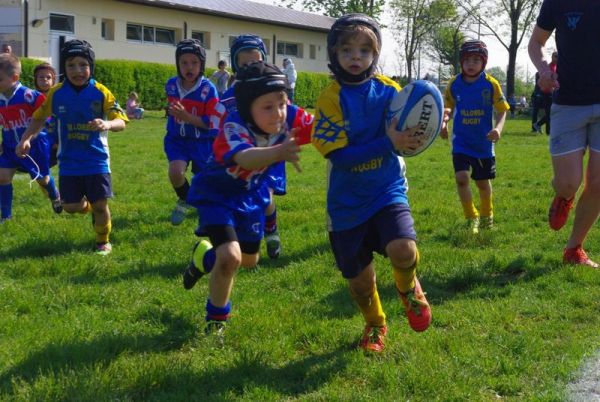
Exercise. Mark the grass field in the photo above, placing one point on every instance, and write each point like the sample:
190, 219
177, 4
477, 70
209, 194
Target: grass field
510, 321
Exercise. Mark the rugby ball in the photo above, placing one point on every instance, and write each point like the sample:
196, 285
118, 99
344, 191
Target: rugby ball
419, 104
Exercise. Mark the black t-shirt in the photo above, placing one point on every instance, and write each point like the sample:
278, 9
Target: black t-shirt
577, 25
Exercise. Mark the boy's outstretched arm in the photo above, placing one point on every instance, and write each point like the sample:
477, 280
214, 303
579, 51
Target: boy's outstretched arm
258, 157
24, 145
445, 120
110, 125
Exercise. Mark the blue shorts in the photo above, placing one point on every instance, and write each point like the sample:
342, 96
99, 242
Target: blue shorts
276, 178
482, 169
353, 248
574, 128
249, 226
197, 151
39, 152
221, 234
94, 187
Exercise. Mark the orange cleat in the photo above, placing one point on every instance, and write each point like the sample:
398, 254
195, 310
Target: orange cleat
417, 308
577, 256
559, 212
373, 339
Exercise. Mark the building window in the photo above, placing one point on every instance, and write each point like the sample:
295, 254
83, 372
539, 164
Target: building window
62, 23
289, 49
108, 29
312, 50
149, 34
203, 37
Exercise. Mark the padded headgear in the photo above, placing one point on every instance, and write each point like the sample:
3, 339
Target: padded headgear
78, 48
253, 80
193, 46
472, 47
245, 42
342, 24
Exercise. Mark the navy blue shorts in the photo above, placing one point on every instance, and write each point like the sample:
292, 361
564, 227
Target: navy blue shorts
197, 151
353, 248
94, 187
481, 169
39, 152
248, 226
220, 234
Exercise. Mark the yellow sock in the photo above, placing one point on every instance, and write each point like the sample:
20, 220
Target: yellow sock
487, 207
87, 208
370, 307
405, 278
469, 209
102, 232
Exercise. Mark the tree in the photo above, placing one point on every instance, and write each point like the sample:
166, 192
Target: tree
337, 8
445, 43
508, 21
414, 20
497, 73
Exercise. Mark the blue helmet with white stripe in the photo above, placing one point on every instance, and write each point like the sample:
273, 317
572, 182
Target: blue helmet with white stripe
246, 42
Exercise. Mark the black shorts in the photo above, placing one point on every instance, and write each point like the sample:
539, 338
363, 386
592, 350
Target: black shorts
481, 169
353, 248
220, 234
94, 187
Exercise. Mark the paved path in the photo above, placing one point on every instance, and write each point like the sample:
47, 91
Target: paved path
587, 387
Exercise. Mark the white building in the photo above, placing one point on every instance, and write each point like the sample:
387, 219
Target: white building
148, 30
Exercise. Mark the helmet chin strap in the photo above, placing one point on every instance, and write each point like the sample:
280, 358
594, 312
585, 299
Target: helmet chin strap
345, 76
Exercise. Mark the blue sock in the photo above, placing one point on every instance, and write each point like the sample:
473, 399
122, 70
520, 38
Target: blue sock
214, 313
51, 189
271, 222
6, 195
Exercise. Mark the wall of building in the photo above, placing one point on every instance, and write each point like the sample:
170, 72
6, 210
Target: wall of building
88, 16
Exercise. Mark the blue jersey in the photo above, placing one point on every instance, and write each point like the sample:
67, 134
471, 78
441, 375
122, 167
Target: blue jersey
577, 31
201, 101
16, 112
364, 173
228, 184
82, 150
474, 105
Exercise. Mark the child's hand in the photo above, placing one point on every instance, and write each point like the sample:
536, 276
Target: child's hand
403, 140
23, 148
177, 110
445, 120
100, 125
493, 135
289, 150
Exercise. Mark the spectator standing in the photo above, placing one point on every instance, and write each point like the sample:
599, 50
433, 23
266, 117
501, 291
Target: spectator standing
290, 72
221, 78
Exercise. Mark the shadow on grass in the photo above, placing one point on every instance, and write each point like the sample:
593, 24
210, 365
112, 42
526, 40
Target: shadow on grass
35, 248
461, 282
57, 359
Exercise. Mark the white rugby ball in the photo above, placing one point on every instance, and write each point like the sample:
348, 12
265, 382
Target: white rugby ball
419, 104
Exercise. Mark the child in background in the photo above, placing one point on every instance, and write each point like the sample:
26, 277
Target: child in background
44, 78
17, 104
84, 111
245, 49
474, 95
232, 194
221, 78
133, 108
192, 113
367, 204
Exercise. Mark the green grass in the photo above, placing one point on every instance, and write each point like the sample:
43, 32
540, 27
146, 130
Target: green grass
510, 321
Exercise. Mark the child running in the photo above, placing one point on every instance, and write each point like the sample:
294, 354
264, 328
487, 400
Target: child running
192, 114
17, 104
474, 95
367, 204
245, 49
84, 111
231, 195
44, 78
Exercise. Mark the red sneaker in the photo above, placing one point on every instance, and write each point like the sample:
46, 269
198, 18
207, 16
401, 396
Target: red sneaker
373, 339
416, 307
577, 256
559, 212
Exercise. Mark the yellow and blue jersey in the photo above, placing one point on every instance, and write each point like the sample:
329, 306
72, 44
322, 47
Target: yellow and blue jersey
82, 150
364, 172
474, 104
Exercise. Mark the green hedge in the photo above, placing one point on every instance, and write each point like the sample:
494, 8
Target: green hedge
148, 80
